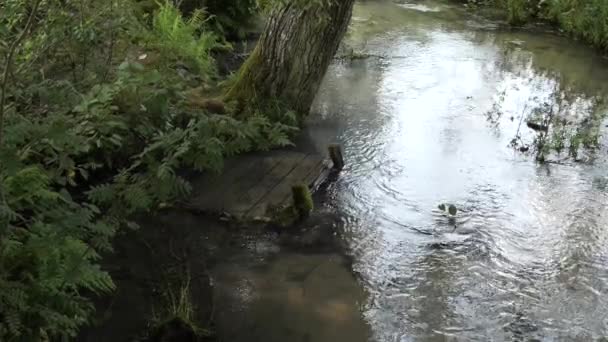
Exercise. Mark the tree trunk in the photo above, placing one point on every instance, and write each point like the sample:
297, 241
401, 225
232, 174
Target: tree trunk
293, 54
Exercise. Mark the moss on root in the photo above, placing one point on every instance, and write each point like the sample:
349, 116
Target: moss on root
242, 91
284, 217
302, 200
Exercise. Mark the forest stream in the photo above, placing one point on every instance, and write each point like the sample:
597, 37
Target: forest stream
431, 104
430, 118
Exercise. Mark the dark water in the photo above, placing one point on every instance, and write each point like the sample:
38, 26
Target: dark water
527, 256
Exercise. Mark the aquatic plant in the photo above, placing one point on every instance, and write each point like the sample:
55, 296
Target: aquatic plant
177, 320
448, 208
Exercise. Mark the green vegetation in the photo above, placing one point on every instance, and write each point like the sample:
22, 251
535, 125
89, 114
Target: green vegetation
563, 132
96, 119
231, 18
558, 127
302, 200
448, 208
518, 11
300, 208
584, 19
177, 318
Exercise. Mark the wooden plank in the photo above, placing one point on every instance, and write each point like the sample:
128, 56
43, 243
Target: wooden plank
290, 162
251, 183
281, 191
254, 173
315, 178
255, 194
210, 189
319, 175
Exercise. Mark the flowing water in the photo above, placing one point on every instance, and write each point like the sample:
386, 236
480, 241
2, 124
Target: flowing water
427, 118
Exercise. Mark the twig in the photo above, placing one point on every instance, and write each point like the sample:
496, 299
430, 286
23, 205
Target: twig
9, 60
521, 119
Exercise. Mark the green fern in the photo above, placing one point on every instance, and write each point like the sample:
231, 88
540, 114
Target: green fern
172, 35
94, 137
46, 265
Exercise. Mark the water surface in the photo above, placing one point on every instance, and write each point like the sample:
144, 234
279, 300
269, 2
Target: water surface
428, 119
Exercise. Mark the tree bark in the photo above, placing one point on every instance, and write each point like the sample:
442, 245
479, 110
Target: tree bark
289, 62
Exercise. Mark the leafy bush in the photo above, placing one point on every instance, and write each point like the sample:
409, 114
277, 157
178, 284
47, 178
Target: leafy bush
229, 17
94, 132
585, 19
518, 11
179, 39
48, 255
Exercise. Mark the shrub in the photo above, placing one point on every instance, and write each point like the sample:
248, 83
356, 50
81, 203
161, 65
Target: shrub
93, 134
518, 11
48, 253
185, 40
229, 17
585, 19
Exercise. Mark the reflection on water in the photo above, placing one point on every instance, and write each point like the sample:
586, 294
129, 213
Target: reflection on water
528, 256
292, 297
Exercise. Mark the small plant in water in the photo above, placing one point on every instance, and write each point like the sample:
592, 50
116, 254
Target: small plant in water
448, 208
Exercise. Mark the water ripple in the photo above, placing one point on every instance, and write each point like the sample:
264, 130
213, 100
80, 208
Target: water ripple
526, 256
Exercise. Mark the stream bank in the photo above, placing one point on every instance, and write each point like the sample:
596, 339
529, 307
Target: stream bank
243, 281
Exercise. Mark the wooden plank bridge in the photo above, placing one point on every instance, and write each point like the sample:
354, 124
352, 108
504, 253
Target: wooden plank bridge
252, 183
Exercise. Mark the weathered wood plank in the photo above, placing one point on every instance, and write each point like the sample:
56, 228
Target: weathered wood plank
281, 192
314, 179
211, 189
254, 174
256, 193
253, 182
318, 175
